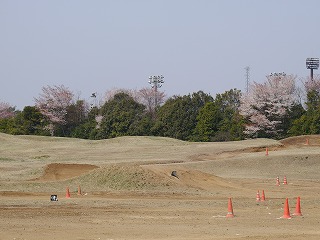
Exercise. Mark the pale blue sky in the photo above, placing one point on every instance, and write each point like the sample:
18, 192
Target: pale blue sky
96, 45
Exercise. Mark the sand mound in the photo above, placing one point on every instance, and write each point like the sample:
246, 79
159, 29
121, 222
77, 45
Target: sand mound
313, 140
59, 171
298, 141
190, 178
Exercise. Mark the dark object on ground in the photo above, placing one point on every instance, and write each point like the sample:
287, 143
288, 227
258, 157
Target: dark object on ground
54, 198
174, 174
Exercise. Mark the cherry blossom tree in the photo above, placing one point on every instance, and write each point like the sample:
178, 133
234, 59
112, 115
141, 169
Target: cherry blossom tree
266, 105
312, 84
6, 110
53, 103
149, 97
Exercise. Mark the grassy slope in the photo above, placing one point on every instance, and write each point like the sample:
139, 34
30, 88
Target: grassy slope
121, 162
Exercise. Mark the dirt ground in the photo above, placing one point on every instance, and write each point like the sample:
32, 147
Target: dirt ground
128, 191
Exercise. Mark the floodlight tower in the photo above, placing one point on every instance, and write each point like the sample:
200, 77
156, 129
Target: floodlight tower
312, 63
247, 78
156, 82
94, 96
280, 74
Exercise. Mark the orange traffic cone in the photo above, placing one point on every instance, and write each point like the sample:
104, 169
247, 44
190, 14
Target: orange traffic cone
230, 209
278, 182
67, 193
307, 141
286, 212
267, 152
79, 190
285, 180
263, 197
298, 210
258, 196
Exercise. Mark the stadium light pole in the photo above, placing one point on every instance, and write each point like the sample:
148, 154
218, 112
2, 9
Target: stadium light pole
94, 96
312, 63
283, 74
156, 82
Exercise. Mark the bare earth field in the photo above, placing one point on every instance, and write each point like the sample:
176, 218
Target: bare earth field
128, 191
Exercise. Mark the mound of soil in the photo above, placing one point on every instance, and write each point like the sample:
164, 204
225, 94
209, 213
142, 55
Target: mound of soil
59, 171
190, 178
313, 140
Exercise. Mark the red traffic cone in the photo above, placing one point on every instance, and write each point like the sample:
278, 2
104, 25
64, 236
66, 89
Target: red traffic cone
286, 212
263, 198
298, 210
230, 209
278, 182
79, 190
67, 193
258, 196
267, 152
285, 180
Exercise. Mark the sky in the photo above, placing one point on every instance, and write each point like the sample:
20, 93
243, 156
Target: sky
98, 45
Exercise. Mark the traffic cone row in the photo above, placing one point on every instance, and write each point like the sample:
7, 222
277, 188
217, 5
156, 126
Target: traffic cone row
285, 182
262, 198
68, 192
286, 211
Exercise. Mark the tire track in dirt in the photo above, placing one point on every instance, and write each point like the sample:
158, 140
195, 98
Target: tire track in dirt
59, 171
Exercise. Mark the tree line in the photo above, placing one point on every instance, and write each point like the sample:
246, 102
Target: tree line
272, 109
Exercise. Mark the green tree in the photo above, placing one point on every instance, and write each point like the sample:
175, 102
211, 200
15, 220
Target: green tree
28, 122
231, 126
177, 118
6, 125
308, 121
220, 120
76, 114
295, 113
208, 121
121, 116
31, 121
88, 128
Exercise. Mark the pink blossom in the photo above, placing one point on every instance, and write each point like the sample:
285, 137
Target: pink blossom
267, 103
6, 111
53, 103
